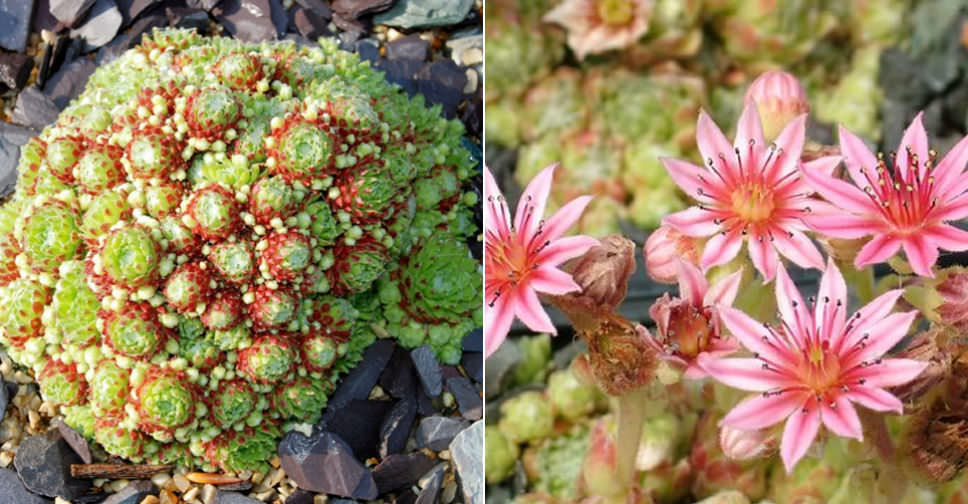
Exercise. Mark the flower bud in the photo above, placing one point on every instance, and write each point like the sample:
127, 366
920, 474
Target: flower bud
936, 447
746, 444
924, 347
715, 472
779, 98
660, 439
600, 474
663, 250
602, 273
726, 497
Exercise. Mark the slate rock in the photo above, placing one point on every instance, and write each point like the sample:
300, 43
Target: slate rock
320, 7
208, 5
69, 81
280, 18
431, 489
396, 426
356, 8
398, 471
398, 378
188, 17
473, 364
474, 340
248, 20
428, 369
5, 394
442, 82
131, 9
101, 25
468, 401
499, 364
467, 453
12, 490
360, 381
44, 461
235, 498
133, 493
75, 441
131, 38
353, 29
308, 23
300, 496
69, 11
42, 18
15, 23
411, 47
358, 423
436, 432
34, 109
368, 49
425, 407
15, 69
325, 463
409, 14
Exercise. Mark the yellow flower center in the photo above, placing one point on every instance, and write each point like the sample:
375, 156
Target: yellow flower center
753, 202
820, 368
616, 12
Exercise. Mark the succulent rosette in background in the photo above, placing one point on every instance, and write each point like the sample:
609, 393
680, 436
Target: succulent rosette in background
191, 253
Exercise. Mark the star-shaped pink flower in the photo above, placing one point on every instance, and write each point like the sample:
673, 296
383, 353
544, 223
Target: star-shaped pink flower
748, 191
905, 202
521, 256
816, 364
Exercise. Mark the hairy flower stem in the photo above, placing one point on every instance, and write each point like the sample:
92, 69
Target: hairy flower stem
632, 407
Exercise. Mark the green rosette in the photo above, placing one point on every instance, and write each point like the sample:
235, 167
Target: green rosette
130, 256
109, 388
51, 235
75, 306
232, 404
302, 400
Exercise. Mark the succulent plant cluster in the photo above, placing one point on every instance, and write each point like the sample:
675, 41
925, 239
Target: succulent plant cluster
213, 231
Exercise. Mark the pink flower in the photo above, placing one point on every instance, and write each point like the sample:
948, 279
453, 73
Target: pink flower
816, 364
596, 26
520, 256
689, 326
740, 444
907, 204
663, 250
779, 98
748, 191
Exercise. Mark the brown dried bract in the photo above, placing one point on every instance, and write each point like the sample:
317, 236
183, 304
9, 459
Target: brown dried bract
938, 439
603, 274
619, 356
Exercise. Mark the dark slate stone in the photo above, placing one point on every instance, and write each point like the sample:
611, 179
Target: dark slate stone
308, 23
398, 471
422, 13
430, 491
428, 369
242, 486
499, 364
448, 371
235, 498
300, 496
69, 11
474, 341
442, 82
358, 423
436, 432
368, 49
411, 47
9, 158
69, 81
208, 5
42, 18
15, 23
4, 392
342, 501
356, 8
352, 28
467, 453
396, 426
473, 364
468, 401
15, 69
402, 73
472, 115
425, 407
101, 25
187, 17
279, 16
360, 381
134, 493
34, 109
13, 492
407, 497
325, 463
44, 463
248, 20
75, 441
398, 378
131, 9
131, 38
318, 6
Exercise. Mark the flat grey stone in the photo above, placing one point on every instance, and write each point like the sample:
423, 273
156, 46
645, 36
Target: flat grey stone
12, 490
423, 13
69, 11
15, 16
34, 109
467, 452
101, 25
134, 493
436, 432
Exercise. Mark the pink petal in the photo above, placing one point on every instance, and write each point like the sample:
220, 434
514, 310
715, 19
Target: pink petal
857, 156
841, 418
531, 206
763, 256
956, 206
949, 168
692, 221
563, 249
840, 193
791, 141
565, 217
758, 412
743, 373
915, 139
796, 247
528, 308
921, 253
869, 314
551, 280
497, 323
693, 180
692, 283
792, 309
824, 165
799, 433
887, 373
881, 337
833, 222
749, 135
712, 144
694, 372
948, 237
720, 249
750, 333
496, 214
878, 250
831, 300
724, 292
874, 398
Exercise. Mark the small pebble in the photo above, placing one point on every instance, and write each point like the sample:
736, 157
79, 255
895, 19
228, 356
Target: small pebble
449, 492
472, 79
151, 499
181, 482
209, 492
